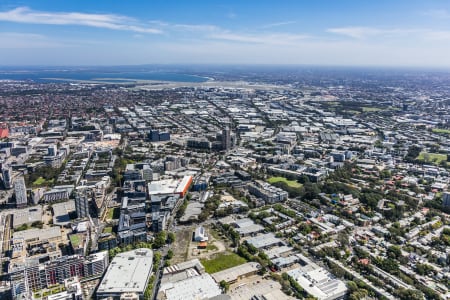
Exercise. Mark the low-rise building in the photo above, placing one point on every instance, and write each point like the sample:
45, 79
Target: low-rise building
129, 272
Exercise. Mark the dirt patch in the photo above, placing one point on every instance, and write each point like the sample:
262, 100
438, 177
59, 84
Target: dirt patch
181, 245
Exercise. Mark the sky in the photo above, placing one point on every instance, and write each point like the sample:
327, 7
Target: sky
405, 33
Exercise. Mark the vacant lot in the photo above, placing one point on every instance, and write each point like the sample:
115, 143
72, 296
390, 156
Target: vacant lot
222, 261
435, 158
291, 183
183, 238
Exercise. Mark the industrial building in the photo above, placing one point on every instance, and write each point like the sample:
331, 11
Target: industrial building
187, 280
264, 240
129, 272
233, 274
317, 281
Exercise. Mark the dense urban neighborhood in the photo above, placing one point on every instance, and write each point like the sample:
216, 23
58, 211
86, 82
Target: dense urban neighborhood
259, 184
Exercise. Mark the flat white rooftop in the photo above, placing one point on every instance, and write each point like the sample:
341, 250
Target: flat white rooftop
127, 273
264, 240
167, 186
319, 283
197, 287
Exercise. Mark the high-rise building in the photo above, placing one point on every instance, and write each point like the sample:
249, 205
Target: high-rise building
446, 199
7, 179
20, 192
147, 173
52, 150
226, 139
154, 136
157, 136
82, 204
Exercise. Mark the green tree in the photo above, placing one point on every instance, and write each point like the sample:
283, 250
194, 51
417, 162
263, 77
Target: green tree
169, 254
170, 237
160, 240
225, 286
407, 294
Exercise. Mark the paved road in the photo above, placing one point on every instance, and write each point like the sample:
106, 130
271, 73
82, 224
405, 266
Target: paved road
159, 272
164, 250
358, 276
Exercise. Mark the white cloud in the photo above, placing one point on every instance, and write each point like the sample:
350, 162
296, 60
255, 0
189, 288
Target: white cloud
356, 32
264, 38
108, 21
271, 25
194, 27
408, 34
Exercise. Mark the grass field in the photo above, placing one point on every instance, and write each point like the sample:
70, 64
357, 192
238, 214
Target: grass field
440, 130
435, 158
221, 262
107, 229
42, 181
291, 183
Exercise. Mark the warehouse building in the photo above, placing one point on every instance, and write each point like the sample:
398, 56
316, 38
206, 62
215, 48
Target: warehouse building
129, 272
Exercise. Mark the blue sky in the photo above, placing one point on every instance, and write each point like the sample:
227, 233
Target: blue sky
116, 32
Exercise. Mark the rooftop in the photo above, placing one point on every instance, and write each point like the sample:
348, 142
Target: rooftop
264, 240
197, 287
318, 282
233, 273
128, 272
39, 234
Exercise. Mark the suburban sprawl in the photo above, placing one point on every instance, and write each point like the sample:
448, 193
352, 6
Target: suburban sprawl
255, 184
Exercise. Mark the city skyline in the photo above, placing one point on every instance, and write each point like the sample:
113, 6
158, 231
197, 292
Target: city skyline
345, 33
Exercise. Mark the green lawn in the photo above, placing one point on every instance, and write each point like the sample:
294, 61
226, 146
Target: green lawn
42, 181
291, 183
107, 229
440, 130
434, 158
75, 240
114, 213
222, 261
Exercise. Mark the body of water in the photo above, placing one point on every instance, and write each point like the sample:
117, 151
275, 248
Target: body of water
44, 76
